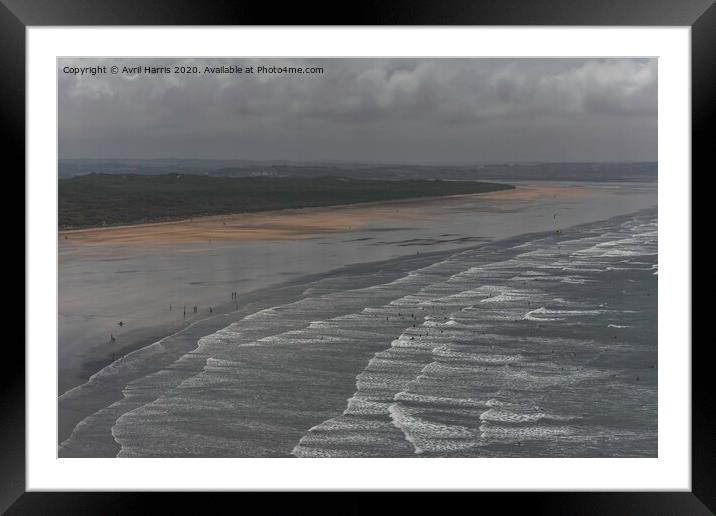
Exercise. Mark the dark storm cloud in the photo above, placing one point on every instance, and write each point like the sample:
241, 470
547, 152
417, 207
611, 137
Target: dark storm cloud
410, 110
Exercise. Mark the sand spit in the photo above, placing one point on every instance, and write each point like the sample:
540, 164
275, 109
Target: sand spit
294, 224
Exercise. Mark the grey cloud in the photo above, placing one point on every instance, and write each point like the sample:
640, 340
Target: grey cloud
367, 109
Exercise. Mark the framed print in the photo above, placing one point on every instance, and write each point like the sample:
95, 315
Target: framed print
421, 249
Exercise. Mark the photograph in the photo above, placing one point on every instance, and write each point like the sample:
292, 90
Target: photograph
357, 257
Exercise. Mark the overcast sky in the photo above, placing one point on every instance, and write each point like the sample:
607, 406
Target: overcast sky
367, 110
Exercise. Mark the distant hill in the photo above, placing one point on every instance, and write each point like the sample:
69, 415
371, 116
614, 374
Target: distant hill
113, 199
640, 171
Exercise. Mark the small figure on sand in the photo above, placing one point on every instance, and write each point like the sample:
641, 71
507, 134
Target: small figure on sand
111, 338
120, 323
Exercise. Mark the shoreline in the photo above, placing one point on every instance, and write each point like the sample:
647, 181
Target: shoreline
147, 336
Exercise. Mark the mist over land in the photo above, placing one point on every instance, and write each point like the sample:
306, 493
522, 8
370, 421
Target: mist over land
505, 171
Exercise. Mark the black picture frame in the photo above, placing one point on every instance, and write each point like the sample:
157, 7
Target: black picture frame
16, 15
